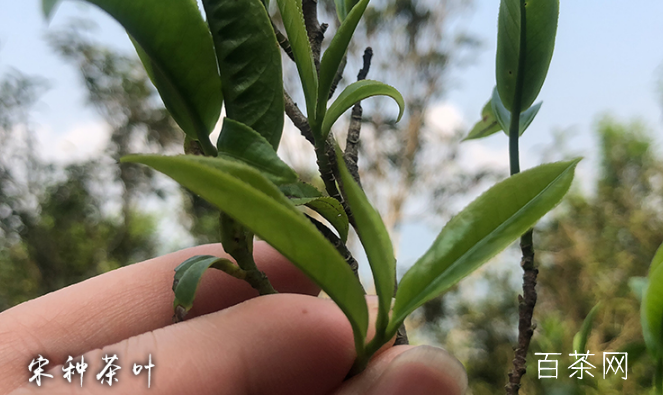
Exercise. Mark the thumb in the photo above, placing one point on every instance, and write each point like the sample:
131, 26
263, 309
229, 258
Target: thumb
422, 370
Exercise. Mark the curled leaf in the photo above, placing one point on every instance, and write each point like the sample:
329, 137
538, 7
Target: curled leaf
355, 93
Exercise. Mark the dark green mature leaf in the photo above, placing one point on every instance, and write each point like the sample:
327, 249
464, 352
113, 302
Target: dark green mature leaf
250, 63
48, 7
300, 190
504, 116
331, 210
580, 338
293, 20
651, 308
488, 125
376, 241
248, 197
356, 92
333, 56
173, 35
171, 97
484, 228
240, 142
536, 45
189, 273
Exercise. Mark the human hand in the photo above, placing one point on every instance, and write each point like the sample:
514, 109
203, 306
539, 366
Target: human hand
233, 343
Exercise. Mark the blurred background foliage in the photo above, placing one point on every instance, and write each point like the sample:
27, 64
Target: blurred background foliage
62, 224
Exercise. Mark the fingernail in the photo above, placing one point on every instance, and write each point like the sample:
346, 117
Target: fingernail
423, 370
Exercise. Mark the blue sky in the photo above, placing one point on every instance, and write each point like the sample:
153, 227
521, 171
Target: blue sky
607, 61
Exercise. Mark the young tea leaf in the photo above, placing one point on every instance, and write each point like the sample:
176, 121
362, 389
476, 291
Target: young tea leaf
504, 116
651, 309
175, 39
250, 63
239, 141
376, 242
331, 210
293, 20
530, 37
657, 260
340, 10
488, 125
349, 5
333, 56
356, 92
248, 197
484, 228
580, 338
189, 273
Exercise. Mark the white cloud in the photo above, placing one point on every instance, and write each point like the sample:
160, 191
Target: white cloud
478, 154
82, 142
445, 118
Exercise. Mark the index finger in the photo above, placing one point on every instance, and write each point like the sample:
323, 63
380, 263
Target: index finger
123, 303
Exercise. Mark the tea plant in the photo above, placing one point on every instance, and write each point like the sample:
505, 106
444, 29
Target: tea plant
650, 292
232, 57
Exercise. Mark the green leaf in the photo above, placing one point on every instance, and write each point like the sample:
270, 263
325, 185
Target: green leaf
504, 116
657, 260
580, 338
240, 142
293, 20
331, 210
241, 171
340, 9
487, 126
355, 93
189, 273
333, 56
300, 190
484, 228
172, 99
246, 196
535, 45
349, 5
250, 63
651, 309
376, 241
48, 7
495, 117
174, 37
